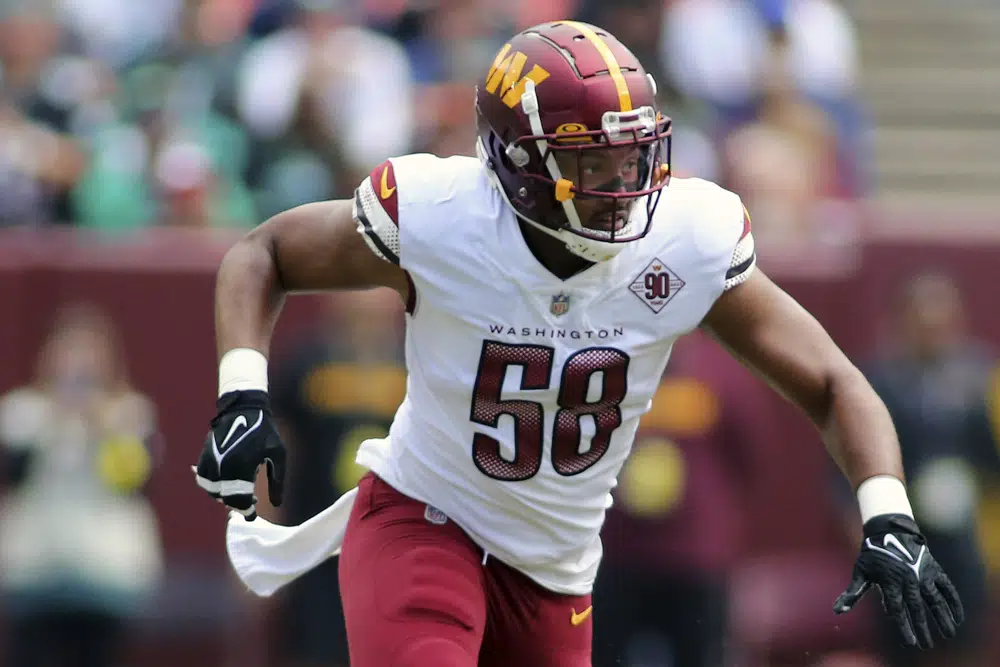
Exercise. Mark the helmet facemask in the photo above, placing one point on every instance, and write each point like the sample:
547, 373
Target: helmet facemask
609, 171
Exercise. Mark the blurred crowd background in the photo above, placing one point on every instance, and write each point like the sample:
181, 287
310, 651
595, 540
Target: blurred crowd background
139, 139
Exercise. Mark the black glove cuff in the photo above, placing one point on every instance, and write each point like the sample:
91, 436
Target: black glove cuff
891, 523
243, 400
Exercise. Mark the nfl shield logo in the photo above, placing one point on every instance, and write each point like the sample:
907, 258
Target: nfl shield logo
560, 304
435, 516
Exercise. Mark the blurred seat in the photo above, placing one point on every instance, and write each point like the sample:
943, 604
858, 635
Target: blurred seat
782, 608
201, 617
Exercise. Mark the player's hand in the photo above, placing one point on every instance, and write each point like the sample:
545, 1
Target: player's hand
242, 438
894, 557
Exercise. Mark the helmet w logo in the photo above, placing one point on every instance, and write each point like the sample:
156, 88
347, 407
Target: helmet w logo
504, 77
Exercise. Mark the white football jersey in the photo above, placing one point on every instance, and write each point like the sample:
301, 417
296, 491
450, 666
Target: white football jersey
525, 391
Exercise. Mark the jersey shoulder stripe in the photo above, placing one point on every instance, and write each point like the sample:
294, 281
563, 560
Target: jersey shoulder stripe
744, 256
376, 210
373, 237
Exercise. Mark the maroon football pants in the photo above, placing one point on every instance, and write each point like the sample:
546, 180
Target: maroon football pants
416, 593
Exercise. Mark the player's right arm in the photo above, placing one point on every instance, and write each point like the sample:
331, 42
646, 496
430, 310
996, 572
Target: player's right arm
313, 247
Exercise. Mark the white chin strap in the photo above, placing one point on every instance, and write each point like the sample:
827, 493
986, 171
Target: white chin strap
588, 249
591, 250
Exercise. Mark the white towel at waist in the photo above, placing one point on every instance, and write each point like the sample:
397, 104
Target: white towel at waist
267, 556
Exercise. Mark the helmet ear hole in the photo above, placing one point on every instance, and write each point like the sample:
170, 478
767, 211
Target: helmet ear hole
517, 155
499, 149
508, 164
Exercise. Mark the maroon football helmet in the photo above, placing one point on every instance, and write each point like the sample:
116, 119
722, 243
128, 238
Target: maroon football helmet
562, 91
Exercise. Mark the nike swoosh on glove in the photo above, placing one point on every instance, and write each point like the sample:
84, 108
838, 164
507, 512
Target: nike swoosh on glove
894, 557
242, 438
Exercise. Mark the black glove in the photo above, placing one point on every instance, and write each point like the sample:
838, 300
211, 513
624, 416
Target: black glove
894, 557
242, 437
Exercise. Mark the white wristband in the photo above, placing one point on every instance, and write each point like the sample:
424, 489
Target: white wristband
242, 369
883, 494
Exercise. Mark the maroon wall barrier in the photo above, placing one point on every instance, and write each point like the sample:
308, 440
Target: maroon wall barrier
160, 293
159, 289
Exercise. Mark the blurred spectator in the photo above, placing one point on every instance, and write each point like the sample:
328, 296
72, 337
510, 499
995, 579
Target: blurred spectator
784, 165
194, 189
935, 381
342, 385
726, 52
677, 527
152, 173
456, 40
637, 23
166, 153
450, 45
79, 545
719, 50
39, 162
120, 32
326, 100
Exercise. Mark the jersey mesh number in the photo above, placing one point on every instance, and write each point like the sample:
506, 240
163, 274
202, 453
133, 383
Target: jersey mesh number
529, 419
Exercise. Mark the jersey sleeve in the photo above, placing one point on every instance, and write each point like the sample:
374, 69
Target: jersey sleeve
376, 211
744, 257
722, 252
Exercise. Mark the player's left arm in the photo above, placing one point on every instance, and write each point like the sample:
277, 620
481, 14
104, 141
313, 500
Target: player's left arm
778, 339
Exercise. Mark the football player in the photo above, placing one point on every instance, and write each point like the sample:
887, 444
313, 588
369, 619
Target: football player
545, 284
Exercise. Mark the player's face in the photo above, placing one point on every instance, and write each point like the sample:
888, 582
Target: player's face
614, 170
933, 316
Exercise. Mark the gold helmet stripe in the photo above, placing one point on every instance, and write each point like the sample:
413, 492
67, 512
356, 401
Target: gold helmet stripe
624, 96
